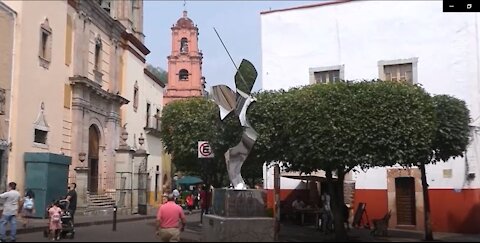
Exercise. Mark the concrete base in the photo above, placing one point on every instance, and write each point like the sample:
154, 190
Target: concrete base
234, 229
232, 203
81, 179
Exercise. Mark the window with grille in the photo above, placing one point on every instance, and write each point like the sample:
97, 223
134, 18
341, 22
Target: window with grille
324, 77
399, 72
327, 74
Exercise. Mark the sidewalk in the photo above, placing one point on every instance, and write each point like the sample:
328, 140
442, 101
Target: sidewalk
288, 232
295, 233
37, 225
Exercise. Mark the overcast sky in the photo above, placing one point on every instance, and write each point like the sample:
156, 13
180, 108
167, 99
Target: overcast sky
238, 23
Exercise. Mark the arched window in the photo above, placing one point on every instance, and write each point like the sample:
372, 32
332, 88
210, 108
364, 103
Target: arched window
184, 45
183, 74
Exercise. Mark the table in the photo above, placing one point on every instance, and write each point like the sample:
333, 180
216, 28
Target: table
303, 212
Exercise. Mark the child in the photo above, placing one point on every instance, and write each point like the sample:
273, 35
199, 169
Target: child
55, 225
28, 207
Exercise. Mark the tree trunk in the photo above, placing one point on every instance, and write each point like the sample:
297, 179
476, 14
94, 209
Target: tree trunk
426, 203
337, 207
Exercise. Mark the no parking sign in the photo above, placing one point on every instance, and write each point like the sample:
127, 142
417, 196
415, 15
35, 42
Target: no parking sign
204, 150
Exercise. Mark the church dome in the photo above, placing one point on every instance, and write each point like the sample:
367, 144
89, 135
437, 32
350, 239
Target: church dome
184, 22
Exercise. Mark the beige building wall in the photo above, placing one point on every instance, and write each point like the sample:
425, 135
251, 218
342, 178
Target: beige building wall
7, 31
34, 82
94, 80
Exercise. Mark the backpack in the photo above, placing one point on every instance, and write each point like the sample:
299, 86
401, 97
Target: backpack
28, 204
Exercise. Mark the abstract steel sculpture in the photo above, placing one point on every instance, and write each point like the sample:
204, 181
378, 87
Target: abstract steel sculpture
238, 101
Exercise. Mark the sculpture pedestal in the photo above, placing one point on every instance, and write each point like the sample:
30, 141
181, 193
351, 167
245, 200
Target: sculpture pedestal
238, 216
237, 229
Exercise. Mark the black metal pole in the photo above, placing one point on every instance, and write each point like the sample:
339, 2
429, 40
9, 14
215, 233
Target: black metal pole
114, 218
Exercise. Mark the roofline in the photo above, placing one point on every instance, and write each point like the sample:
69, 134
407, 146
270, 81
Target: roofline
306, 6
153, 77
12, 12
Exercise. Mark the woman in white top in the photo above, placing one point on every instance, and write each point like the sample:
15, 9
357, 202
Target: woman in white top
28, 207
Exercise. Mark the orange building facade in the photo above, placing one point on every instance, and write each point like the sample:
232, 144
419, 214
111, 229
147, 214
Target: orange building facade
184, 63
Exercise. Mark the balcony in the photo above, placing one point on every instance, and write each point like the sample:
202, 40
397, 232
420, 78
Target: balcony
153, 126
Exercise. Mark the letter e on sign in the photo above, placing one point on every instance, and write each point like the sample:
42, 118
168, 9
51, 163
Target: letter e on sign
204, 150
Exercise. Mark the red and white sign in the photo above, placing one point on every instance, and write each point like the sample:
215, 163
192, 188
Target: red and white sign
204, 150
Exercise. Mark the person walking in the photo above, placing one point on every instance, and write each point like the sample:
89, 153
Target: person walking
72, 199
28, 207
189, 202
327, 216
169, 215
205, 198
10, 209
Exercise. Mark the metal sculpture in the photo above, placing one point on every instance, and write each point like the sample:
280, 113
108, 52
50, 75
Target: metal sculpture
239, 102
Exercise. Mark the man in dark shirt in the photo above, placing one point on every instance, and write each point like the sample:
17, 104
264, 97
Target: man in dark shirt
72, 198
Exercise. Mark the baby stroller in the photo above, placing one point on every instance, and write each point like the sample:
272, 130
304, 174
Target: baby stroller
68, 229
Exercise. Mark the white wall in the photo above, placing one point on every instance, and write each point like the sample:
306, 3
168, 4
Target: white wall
358, 34
285, 183
149, 91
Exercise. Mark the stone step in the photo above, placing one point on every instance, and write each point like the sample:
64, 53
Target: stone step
101, 200
99, 197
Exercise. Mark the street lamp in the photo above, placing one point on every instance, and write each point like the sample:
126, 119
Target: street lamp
82, 156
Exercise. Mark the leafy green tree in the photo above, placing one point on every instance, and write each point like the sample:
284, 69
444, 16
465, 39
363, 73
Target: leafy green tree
337, 127
159, 72
185, 122
449, 140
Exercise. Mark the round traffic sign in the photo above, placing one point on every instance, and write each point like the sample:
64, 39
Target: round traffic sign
205, 149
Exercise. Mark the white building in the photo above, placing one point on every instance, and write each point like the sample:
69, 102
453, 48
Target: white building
412, 40
142, 118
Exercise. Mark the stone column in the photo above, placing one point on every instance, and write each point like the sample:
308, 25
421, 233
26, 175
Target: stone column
80, 53
140, 178
123, 173
114, 66
112, 136
82, 182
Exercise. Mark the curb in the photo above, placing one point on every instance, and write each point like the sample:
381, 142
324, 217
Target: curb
84, 224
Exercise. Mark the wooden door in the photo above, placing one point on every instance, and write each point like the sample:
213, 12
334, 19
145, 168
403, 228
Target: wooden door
405, 200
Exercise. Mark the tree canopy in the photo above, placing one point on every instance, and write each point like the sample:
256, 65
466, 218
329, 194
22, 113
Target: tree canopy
159, 72
185, 122
451, 135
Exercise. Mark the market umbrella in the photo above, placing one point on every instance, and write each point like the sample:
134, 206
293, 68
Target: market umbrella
189, 180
